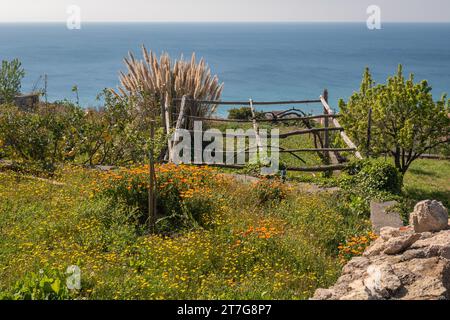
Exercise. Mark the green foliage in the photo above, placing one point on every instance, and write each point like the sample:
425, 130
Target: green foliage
44, 285
117, 225
375, 176
406, 122
11, 75
365, 180
113, 136
269, 191
75, 90
244, 113
62, 132
42, 138
184, 197
245, 250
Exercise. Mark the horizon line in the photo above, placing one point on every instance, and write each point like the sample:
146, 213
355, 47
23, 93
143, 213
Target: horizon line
222, 21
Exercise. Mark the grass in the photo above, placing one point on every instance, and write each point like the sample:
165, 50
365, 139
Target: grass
251, 249
255, 242
428, 179
302, 159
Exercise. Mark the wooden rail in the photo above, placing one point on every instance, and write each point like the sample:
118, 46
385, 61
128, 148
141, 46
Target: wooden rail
434, 156
344, 136
318, 150
280, 135
299, 169
264, 120
247, 103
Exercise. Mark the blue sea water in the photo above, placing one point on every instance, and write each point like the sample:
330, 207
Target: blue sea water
263, 61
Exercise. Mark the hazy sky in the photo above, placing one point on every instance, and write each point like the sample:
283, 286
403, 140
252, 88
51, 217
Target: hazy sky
225, 10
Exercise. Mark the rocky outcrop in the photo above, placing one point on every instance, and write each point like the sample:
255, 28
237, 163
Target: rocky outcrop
429, 215
402, 263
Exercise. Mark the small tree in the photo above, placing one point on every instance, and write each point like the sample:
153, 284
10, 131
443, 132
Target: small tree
406, 121
11, 75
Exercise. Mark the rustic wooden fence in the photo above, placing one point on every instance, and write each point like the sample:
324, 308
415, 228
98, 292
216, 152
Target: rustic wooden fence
332, 160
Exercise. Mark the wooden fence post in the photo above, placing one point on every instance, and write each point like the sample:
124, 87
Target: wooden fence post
256, 128
152, 178
167, 118
178, 125
326, 125
344, 136
326, 139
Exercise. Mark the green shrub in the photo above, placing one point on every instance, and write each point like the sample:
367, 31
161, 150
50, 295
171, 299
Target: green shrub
184, 194
269, 191
44, 285
63, 132
116, 225
374, 176
11, 75
244, 113
44, 137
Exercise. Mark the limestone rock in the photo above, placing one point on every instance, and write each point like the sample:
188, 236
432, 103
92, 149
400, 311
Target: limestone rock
381, 281
400, 244
376, 248
323, 294
400, 264
387, 233
429, 215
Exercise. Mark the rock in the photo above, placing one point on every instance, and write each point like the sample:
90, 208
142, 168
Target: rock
355, 263
381, 281
436, 245
400, 264
376, 248
322, 294
429, 215
431, 279
357, 291
356, 295
400, 244
389, 232
381, 215
428, 288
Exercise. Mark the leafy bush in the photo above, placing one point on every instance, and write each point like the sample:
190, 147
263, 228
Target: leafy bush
184, 193
244, 113
11, 74
62, 132
44, 285
117, 225
113, 135
365, 180
269, 191
374, 176
33, 137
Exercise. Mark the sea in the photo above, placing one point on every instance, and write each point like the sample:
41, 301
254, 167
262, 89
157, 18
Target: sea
261, 61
